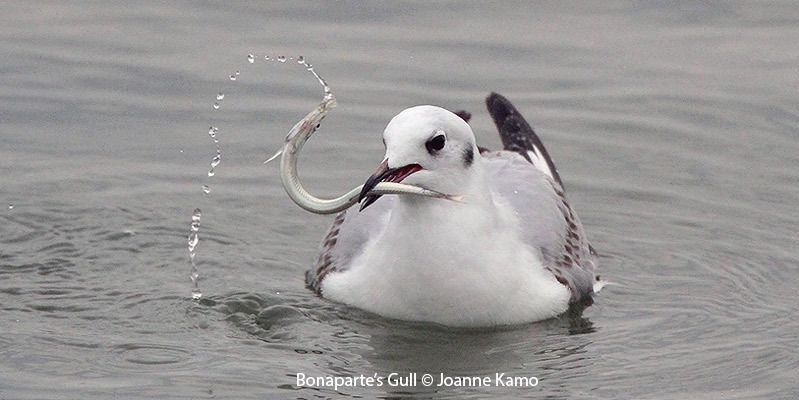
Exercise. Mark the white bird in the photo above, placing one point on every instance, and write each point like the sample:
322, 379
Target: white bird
512, 251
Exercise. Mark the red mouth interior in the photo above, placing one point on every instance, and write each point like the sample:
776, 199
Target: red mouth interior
403, 172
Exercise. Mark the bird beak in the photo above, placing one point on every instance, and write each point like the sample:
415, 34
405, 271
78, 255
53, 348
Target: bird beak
384, 174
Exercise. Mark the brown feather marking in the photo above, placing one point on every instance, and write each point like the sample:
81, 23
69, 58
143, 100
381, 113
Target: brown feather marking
325, 263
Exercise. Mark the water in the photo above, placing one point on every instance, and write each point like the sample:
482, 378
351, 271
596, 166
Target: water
674, 128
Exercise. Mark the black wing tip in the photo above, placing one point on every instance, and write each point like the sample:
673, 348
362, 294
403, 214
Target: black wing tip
516, 133
500, 108
465, 115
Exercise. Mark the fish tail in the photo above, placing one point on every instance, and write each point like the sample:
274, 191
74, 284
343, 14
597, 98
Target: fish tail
279, 152
458, 198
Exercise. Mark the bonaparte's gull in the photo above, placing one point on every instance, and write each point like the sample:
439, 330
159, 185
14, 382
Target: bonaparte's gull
509, 250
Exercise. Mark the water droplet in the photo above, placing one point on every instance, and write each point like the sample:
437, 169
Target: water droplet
220, 96
206, 189
235, 76
215, 162
216, 106
267, 58
194, 239
281, 58
325, 87
300, 60
212, 132
251, 58
181, 150
10, 206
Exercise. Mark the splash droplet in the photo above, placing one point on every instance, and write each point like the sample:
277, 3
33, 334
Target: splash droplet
212, 132
214, 163
235, 76
216, 106
267, 58
10, 206
250, 58
216, 160
194, 239
220, 96
206, 189
281, 58
309, 68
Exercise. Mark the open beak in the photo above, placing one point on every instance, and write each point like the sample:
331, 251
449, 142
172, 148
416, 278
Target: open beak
384, 174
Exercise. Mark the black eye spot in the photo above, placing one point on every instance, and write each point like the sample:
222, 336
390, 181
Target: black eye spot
436, 143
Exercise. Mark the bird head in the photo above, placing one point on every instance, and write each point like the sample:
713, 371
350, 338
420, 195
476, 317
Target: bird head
426, 146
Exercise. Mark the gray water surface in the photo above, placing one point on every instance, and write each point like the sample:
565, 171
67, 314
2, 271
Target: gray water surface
674, 127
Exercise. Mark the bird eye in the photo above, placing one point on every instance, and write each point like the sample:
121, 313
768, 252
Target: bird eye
436, 143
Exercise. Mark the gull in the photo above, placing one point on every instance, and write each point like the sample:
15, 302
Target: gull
468, 237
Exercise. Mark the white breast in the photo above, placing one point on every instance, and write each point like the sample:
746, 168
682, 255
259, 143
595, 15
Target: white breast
450, 264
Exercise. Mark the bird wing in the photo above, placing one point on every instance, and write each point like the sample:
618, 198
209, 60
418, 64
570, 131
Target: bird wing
517, 135
538, 198
547, 222
346, 238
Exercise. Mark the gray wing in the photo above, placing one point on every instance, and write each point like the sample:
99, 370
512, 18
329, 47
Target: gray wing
527, 178
547, 222
350, 231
